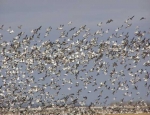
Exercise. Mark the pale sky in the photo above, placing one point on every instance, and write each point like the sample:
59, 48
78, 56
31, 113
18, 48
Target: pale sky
32, 13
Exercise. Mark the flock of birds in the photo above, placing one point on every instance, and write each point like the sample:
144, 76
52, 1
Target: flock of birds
63, 73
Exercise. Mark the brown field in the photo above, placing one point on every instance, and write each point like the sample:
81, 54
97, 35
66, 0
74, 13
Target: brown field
79, 111
126, 114
77, 114
132, 114
41, 113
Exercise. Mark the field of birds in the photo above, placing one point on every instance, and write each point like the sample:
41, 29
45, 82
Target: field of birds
82, 67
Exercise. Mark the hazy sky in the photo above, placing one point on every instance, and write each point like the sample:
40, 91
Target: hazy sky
34, 13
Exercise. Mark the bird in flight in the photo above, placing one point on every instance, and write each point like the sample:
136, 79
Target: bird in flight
142, 18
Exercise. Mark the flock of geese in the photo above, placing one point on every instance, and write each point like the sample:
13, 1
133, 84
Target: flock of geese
79, 64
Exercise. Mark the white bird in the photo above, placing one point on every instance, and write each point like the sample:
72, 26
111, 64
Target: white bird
117, 30
89, 91
1, 28
46, 34
59, 28
99, 24
1, 36
136, 32
16, 38
48, 29
137, 27
20, 26
11, 32
69, 23
87, 30
32, 31
9, 29
126, 21
107, 31
69, 88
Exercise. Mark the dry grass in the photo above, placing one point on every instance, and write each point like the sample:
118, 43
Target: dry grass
83, 114
126, 114
132, 114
